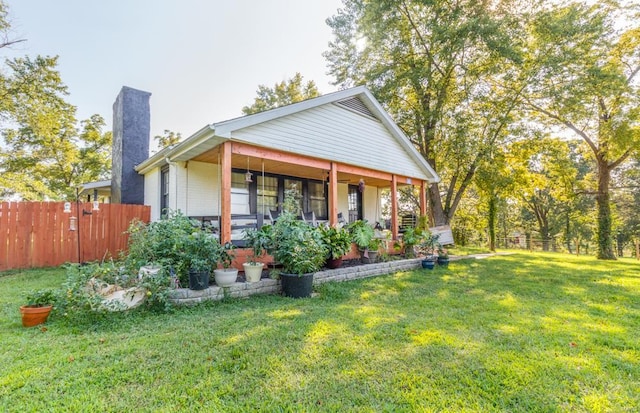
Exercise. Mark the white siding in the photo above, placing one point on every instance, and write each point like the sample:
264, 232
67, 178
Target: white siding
334, 133
178, 172
152, 192
343, 200
202, 189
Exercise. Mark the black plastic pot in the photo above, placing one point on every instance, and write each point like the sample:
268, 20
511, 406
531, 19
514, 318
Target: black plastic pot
296, 286
198, 280
444, 262
428, 264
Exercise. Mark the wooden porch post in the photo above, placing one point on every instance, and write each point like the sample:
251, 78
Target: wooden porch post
333, 195
423, 199
225, 195
394, 207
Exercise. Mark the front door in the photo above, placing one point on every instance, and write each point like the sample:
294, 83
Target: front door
355, 203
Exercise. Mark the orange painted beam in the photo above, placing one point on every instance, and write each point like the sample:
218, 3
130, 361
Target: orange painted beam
394, 208
333, 194
272, 155
364, 172
225, 201
423, 198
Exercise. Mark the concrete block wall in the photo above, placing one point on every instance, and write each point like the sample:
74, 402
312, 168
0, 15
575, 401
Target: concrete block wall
185, 296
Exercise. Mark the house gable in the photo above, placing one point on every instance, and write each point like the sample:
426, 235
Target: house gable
335, 133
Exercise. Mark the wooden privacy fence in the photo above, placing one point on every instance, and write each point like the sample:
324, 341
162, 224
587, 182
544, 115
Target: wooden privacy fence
42, 234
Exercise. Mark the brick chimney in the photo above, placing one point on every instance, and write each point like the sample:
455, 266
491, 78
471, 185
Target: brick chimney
131, 126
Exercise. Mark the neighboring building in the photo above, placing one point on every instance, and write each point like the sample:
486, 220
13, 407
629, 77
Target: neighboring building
338, 150
95, 191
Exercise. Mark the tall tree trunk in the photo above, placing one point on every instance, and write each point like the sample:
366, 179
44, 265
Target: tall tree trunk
492, 223
567, 232
435, 202
544, 232
605, 244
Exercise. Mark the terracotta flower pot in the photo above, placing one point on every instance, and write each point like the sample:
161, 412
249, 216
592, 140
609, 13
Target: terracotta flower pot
332, 264
32, 316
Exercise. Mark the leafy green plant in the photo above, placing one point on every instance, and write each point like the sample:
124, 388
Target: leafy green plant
259, 241
200, 251
160, 242
41, 298
226, 255
361, 233
337, 240
297, 245
429, 245
410, 239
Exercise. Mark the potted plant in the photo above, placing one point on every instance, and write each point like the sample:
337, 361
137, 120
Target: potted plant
428, 247
443, 256
38, 307
371, 255
298, 247
361, 234
259, 241
226, 275
410, 239
200, 253
337, 240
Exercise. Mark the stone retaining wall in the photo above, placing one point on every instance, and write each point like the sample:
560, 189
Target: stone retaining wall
184, 296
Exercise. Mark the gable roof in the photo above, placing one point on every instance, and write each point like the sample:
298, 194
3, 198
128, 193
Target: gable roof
359, 111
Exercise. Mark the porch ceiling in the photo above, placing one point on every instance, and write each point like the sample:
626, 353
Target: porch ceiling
289, 169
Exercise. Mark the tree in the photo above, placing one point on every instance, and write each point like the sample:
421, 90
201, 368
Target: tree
584, 78
282, 94
43, 155
5, 38
169, 138
436, 67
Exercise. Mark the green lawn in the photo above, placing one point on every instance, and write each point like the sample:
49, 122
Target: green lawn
524, 332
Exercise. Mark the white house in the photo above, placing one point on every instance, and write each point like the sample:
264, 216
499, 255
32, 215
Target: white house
339, 150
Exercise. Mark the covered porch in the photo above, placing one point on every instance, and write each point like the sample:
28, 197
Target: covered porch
251, 181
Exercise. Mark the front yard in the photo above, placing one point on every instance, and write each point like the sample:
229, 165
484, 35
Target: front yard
524, 332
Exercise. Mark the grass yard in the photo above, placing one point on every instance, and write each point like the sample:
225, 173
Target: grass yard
517, 333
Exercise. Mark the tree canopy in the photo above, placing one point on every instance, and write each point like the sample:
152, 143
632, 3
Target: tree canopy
44, 153
282, 94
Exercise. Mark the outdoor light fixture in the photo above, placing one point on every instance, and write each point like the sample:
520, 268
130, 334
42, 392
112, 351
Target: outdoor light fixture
67, 207
248, 177
361, 185
73, 223
96, 206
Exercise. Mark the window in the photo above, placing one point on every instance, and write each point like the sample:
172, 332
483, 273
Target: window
239, 194
355, 203
297, 185
267, 193
317, 199
164, 190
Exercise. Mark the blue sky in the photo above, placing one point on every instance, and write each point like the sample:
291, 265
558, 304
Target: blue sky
201, 60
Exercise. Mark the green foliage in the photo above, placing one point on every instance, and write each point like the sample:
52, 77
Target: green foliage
584, 66
41, 298
296, 245
361, 233
169, 138
200, 251
43, 154
337, 240
282, 94
440, 69
164, 242
259, 241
